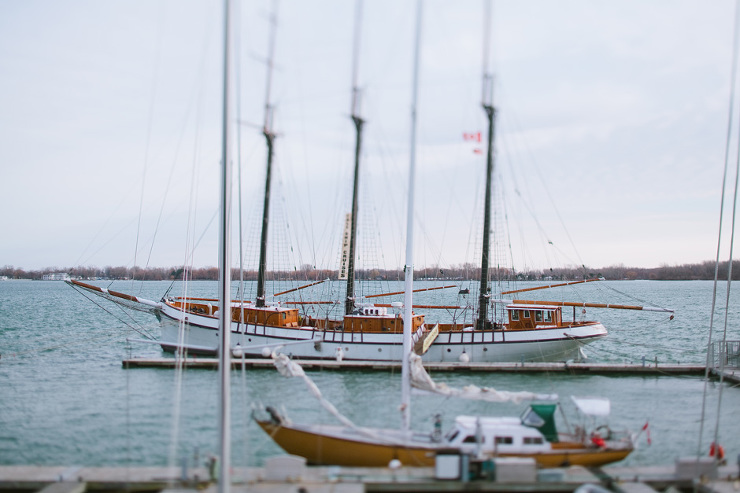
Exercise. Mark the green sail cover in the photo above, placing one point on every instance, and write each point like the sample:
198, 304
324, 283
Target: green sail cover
542, 417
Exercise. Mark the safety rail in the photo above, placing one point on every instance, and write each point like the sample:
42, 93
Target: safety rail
724, 354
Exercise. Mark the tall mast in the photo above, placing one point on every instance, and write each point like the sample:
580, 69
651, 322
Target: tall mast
270, 138
349, 302
408, 314
487, 103
224, 269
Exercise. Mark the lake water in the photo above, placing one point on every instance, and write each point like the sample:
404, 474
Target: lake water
65, 398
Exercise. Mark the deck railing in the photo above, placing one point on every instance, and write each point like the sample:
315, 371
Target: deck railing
724, 354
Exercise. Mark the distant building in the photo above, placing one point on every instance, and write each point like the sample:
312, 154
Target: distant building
57, 276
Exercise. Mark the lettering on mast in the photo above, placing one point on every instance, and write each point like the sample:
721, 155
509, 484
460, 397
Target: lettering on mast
344, 263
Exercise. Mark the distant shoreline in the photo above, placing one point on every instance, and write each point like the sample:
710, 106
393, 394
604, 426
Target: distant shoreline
686, 272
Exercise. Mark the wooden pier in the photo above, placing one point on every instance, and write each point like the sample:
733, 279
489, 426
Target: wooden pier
64, 479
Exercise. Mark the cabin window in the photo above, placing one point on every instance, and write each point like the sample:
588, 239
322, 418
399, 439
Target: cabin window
515, 314
533, 441
538, 316
504, 440
548, 316
471, 439
526, 314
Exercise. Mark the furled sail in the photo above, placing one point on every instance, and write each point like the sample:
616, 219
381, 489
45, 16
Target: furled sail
421, 381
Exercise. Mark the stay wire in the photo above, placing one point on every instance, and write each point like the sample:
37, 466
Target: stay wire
147, 147
181, 352
140, 332
727, 296
719, 234
628, 296
168, 186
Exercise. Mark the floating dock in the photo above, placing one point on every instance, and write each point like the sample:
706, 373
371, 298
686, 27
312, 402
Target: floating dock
730, 375
561, 367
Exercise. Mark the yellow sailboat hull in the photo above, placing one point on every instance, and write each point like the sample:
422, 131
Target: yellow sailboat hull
320, 449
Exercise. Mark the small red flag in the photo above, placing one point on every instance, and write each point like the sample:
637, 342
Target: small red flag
472, 136
646, 429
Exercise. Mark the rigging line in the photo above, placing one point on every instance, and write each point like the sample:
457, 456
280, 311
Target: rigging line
121, 308
733, 74
538, 172
727, 294
193, 195
109, 241
238, 93
240, 294
629, 296
429, 244
310, 231
147, 146
379, 141
172, 167
189, 253
245, 402
544, 234
94, 302
95, 237
508, 230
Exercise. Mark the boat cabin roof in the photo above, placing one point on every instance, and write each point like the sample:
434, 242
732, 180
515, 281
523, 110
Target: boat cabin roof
504, 432
533, 307
269, 308
487, 422
372, 311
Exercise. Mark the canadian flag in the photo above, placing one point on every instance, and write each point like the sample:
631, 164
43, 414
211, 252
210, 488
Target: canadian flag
473, 136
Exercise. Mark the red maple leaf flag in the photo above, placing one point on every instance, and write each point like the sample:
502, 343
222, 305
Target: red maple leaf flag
475, 136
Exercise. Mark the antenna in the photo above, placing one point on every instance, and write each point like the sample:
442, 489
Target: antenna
270, 66
487, 89
356, 93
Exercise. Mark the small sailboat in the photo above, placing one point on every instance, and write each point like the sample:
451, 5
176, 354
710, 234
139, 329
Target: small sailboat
533, 435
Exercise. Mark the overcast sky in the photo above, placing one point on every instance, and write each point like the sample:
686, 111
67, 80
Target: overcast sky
610, 137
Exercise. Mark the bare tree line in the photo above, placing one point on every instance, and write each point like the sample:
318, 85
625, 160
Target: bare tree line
701, 271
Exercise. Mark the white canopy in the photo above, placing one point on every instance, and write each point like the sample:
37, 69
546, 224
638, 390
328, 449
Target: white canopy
592, 406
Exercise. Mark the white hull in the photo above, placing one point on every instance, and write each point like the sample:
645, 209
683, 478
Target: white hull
550, 344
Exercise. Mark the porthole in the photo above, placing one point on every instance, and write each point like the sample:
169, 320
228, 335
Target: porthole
379, 350
485, 349
449, 350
